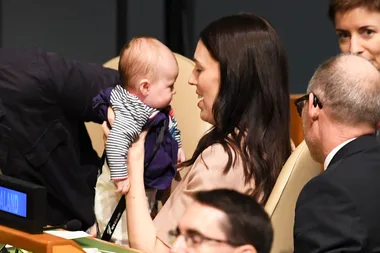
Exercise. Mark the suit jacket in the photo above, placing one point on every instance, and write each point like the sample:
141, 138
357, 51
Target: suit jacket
44, 102
339, 211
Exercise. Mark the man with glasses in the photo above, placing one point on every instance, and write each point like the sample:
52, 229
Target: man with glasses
223, 221
338, 210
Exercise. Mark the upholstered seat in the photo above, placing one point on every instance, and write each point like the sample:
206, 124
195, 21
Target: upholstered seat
297, 171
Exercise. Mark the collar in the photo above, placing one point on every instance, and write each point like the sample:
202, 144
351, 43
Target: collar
332, 153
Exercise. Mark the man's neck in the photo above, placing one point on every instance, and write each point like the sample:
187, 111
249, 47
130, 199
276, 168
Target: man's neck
333, 152
340, 134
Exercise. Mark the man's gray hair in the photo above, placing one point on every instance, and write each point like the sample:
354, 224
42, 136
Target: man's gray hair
348, 86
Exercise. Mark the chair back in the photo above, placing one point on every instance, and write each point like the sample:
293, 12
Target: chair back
297, 171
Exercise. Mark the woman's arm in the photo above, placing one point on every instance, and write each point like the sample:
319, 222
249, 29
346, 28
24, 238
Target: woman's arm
141, 230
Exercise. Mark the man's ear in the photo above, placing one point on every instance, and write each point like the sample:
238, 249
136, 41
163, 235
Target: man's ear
313, 108
247, 248
144, 85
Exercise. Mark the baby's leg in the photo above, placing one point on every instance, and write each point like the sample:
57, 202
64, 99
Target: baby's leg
151, 198
106, 200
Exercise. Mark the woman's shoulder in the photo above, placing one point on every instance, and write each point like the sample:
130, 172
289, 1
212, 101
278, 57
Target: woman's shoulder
209, 172
216, 148
216, 156
214, 152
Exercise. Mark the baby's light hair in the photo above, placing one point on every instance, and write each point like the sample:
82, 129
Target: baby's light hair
138, 59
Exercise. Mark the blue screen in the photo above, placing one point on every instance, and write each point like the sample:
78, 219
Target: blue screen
13, 202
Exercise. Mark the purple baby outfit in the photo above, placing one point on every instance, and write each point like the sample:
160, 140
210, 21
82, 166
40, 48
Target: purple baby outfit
160, 169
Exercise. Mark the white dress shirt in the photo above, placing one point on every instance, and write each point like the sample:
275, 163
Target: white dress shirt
331, 155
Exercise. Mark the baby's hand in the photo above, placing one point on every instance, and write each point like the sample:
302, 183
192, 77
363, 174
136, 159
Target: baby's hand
181, 156
122, 185
94, 230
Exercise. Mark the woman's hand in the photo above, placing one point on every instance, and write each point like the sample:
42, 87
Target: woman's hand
135, 159
292, 145
136, 150
141, 230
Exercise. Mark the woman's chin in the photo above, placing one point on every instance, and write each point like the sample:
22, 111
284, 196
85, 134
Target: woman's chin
205, 117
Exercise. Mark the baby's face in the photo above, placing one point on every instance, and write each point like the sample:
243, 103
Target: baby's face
161, 90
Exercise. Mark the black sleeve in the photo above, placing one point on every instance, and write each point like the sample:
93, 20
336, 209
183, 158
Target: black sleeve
326, 219
76, 84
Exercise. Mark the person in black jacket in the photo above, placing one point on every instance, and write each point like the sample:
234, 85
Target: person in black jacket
44, 102
338, 211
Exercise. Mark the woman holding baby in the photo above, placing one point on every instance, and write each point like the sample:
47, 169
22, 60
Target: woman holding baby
241, 75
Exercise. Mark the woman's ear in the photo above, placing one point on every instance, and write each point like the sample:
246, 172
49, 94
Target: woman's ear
144, 85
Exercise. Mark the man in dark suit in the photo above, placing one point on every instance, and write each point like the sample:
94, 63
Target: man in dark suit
44, 102
339, 210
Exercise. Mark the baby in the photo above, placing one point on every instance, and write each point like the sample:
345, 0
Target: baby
148, 70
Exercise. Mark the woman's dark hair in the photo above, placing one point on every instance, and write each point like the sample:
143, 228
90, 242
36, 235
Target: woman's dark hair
251, 110
344, 6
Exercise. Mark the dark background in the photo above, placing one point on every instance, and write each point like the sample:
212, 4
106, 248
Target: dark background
95, 30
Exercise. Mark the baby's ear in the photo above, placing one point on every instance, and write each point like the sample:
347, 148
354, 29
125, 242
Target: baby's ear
144, 86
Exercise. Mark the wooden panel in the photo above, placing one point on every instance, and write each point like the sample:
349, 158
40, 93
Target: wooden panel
38, 243
41, 243
296, 132
65, 249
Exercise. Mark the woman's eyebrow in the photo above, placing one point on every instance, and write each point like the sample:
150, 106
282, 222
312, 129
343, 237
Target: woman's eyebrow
197, 62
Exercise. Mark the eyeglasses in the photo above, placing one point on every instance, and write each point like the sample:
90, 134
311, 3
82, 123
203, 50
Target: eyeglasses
194, 238
300, 103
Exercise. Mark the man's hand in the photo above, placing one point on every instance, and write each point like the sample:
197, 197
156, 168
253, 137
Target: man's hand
111, 119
